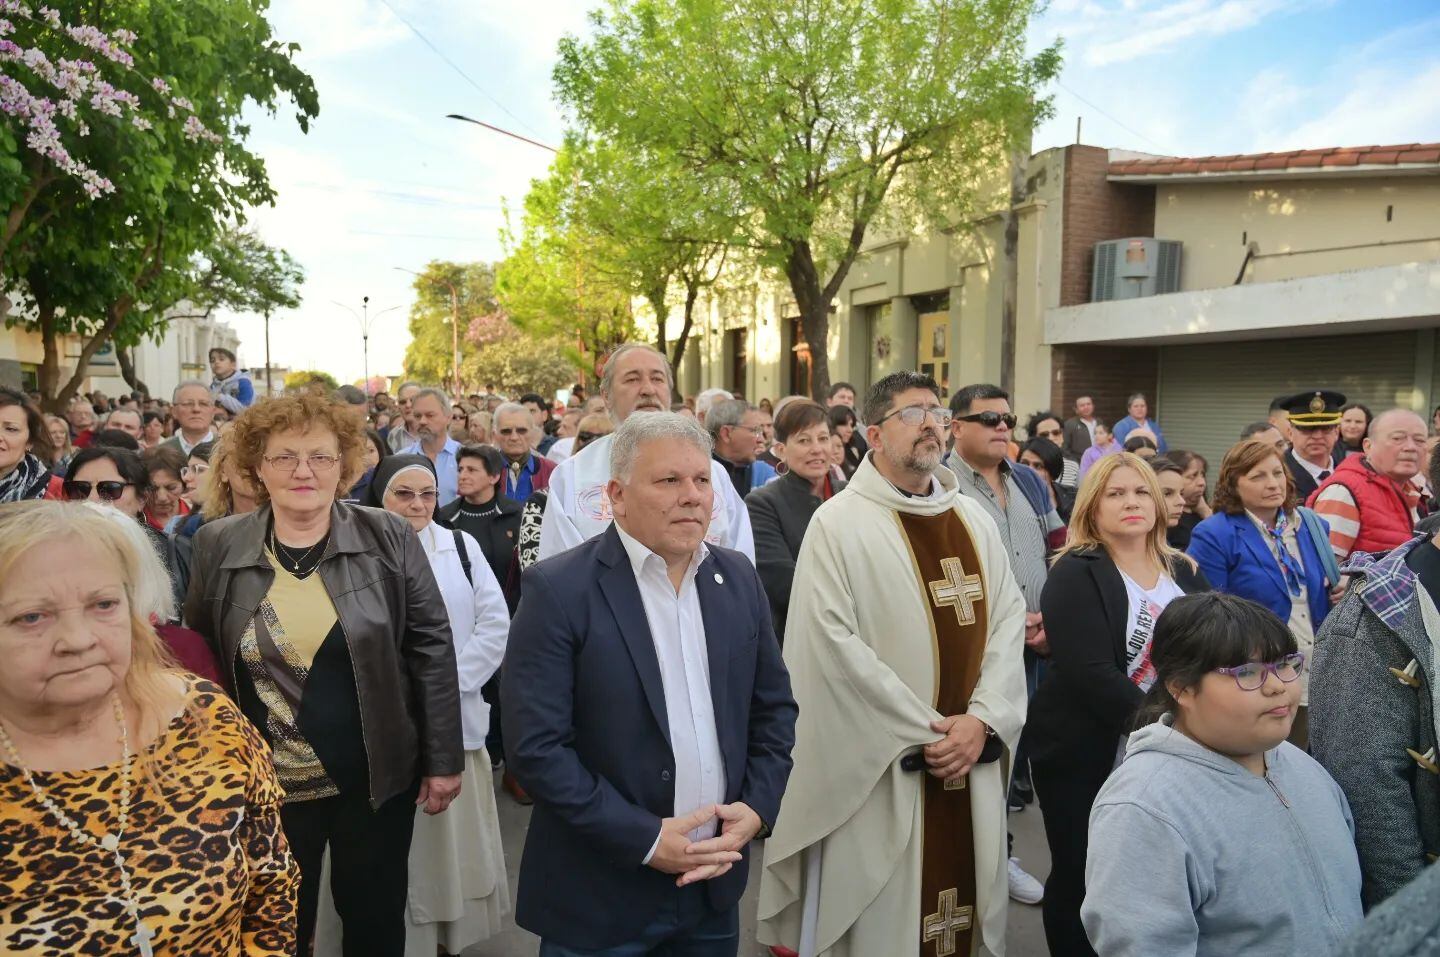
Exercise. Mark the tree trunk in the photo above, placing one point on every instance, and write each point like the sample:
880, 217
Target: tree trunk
814, 306
114, 315
126, 357
50, 362
1011, 265
656, 298
692, 293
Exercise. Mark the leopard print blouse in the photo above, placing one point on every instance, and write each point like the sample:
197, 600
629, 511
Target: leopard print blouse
208, 860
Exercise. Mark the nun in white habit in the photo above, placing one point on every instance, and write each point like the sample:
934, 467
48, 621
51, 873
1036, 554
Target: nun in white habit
458, 890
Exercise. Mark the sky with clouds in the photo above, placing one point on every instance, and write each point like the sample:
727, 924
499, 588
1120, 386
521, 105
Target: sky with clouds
384, 182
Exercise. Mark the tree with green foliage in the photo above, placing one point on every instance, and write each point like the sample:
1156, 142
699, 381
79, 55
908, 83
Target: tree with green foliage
315, 379
517, 363
659, 235
555, 281
445, 291
240, 274
107, 264
823, 119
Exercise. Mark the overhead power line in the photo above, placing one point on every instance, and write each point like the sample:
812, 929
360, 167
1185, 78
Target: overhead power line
1132, 131
456, 67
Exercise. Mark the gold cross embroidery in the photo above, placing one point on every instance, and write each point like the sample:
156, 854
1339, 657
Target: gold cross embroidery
958, 589
947, 923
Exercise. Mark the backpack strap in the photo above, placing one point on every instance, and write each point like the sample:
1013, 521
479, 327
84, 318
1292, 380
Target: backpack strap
464, 555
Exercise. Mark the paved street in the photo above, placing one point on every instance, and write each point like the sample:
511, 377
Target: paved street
1025, 939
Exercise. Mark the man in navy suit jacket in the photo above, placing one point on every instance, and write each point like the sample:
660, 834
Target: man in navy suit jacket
648, 713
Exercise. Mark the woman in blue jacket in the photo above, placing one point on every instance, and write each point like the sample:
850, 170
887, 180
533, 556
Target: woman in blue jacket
1261, 545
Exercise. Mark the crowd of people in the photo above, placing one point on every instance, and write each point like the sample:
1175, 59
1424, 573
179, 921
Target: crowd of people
263, 656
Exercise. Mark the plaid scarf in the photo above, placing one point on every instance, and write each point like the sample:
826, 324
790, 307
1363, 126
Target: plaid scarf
28, 480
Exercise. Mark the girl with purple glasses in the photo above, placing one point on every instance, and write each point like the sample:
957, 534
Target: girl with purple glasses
1216, 835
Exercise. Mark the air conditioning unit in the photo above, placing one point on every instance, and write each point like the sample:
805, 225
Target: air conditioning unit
1132, 268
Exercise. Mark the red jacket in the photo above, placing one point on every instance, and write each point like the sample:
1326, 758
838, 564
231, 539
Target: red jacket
1385, 520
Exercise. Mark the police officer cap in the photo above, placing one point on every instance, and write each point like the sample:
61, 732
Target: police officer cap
1315, 409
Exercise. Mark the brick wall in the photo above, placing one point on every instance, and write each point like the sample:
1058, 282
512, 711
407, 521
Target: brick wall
1109, 374
1095, 210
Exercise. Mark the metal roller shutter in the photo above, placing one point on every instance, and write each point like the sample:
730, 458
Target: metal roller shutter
1210, 391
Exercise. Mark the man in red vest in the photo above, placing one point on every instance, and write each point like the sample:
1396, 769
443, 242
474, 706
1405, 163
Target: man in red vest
1369, 500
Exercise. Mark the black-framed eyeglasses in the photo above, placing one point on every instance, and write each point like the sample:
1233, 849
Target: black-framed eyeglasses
1251, 675
914, 415
77, 491
991, 420
514, 430
408, 495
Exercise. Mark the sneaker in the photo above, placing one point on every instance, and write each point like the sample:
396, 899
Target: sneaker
1023, 887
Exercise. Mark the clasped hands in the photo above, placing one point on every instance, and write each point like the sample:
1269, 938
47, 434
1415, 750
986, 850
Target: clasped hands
956, 753
704, 860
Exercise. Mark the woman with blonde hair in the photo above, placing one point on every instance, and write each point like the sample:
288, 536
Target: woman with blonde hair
62, 449
1107, 587
139, 810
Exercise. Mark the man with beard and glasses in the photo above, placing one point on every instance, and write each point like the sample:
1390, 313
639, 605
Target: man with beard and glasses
636, 379
904, 641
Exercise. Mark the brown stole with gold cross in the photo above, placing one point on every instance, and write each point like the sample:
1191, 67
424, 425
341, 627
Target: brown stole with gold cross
948, 567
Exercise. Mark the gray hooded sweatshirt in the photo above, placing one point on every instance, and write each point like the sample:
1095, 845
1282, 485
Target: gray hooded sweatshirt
1192, 854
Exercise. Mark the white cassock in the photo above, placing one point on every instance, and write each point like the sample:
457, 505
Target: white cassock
577, 508
844, 863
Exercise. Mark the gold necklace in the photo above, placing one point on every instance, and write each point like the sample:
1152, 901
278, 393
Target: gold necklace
282, 552
111, 840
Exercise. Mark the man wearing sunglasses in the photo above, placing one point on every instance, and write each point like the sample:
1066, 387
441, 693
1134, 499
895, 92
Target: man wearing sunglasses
903, 640
1019, 503
526, 470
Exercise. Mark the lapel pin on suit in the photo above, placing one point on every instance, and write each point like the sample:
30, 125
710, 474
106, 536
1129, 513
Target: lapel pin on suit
719, 579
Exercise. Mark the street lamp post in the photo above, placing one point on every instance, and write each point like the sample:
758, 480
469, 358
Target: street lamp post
366, 321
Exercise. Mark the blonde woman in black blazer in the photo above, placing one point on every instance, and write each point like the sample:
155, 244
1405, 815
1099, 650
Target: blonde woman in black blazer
1104, 591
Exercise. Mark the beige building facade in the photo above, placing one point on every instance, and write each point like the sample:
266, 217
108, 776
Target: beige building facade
1309, 269
180, 354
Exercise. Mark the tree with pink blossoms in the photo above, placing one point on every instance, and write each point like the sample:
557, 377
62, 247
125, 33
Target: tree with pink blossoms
123, 159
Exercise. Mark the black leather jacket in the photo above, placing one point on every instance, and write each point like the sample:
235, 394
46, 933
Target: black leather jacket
394, 620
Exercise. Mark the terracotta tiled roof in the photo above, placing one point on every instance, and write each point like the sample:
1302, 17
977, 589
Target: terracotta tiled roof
1405, 153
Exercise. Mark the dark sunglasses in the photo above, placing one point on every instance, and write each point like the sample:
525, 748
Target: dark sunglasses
991, 420
520, 430
79, 491
590, 436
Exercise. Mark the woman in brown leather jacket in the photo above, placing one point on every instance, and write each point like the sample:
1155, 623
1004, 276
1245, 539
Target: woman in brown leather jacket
332, 635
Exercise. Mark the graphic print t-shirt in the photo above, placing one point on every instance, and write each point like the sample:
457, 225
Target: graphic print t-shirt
1145, 608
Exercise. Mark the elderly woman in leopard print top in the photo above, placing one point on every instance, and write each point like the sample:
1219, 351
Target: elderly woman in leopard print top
139, 810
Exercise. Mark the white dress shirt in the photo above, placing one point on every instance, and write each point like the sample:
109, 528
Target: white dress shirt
678, 631
561, 450
577, 508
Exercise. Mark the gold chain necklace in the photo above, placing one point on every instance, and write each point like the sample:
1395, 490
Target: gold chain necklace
111, 841
282, 552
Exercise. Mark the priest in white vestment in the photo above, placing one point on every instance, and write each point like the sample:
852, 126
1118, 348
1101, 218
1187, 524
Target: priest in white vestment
883, 616
636, 378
